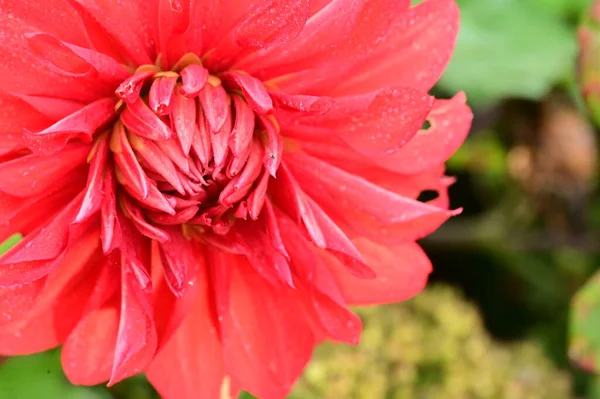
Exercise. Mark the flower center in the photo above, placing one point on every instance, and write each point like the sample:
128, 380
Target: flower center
190, 147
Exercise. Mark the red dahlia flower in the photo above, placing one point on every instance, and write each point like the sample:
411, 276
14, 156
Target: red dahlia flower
204, 187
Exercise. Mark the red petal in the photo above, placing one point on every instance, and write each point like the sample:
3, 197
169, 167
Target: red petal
341, 35
39, 253
135, 251
36, 336
27, 215
402, 272
17, 301
50, 107
107, 70
179, 261
425, 35
184, 119
82, 125
241, 136
219, 141
173, 20
52, 72
137, 218
191, 363
154, 158
253, 89
136, 338
109, 229
241, 184
129, 90
134, 177
320, 37
140, 119
193, 78
266, 252
373, 211
321, 229
327, 300
266, 337
450, 122
273, 147
161, 92
374, 124
201, 143
58, 303
273, 23
257, 198
130, 24
215, 105
88, 352
305, 104
94, 194
33, 174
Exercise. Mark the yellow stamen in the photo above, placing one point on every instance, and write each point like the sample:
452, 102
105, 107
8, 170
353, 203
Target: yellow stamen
94, 150
214, 80
166, 74
148, 67
187, 59
226, 388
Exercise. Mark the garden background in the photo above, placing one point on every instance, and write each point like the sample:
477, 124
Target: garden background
513, 306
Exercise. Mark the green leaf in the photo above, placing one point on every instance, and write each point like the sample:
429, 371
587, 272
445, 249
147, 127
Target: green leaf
509, 48
584, 346
40, 376
10, 242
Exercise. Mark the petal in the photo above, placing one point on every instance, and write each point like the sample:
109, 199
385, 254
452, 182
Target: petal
25, 216
40, 252
450, 122
64, 21
140, 119
94, 193
171, 310
340, 33
36, 336
336, 319
323, 231
81, 124
107, 70
191, 363
272, 23
58, 303
374, 124
266, 338
136, 338
184, 119
26, 67
32, 175
402, 272
370, 210
425, 35
179, 260
215, 105
253, 89
88, 352
131, 24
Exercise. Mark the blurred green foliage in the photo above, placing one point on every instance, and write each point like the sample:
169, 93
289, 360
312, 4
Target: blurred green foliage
511, 48
436, 346
433, 346
40, 377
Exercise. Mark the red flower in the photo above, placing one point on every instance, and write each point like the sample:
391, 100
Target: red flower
203, 187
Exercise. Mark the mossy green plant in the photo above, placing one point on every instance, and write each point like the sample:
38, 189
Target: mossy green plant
432, 347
